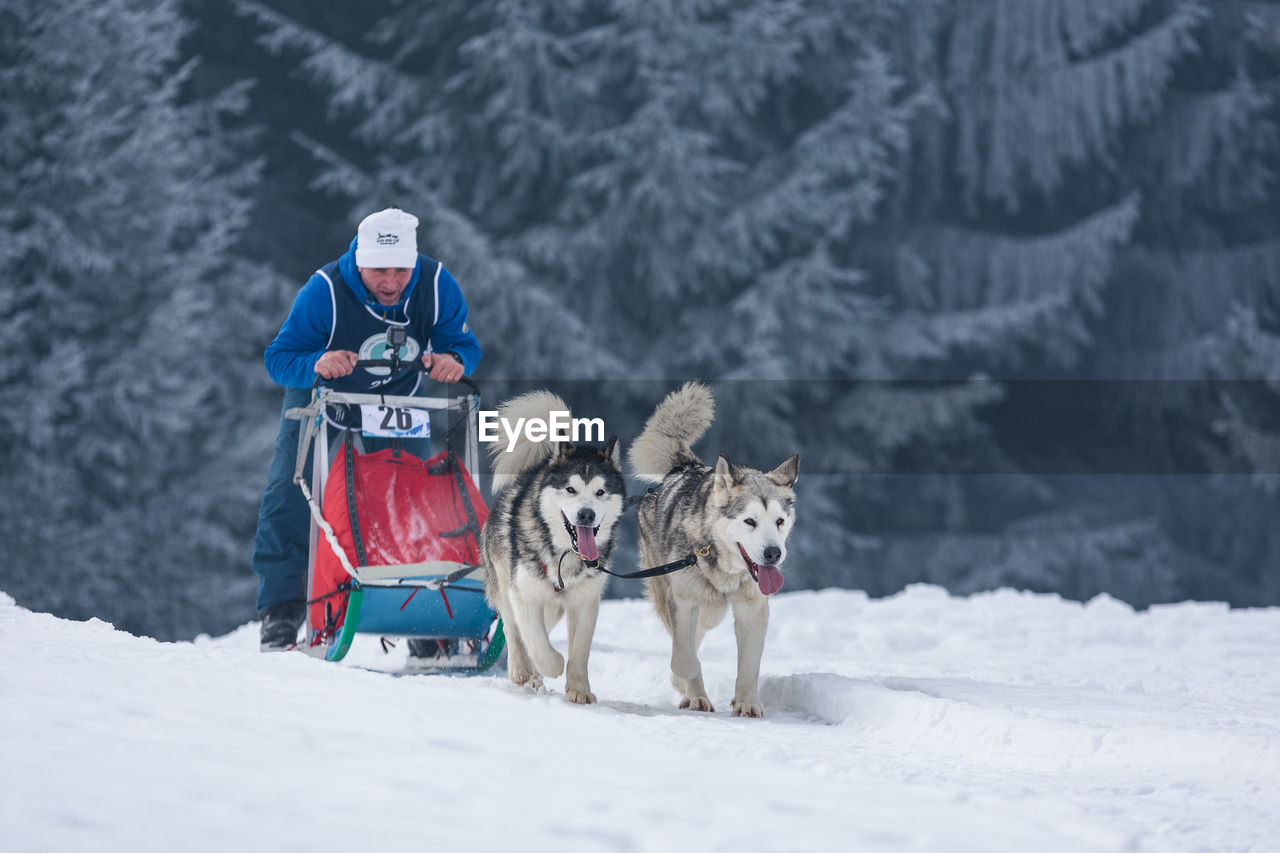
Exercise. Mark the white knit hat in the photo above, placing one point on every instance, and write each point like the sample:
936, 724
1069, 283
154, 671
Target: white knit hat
388, 238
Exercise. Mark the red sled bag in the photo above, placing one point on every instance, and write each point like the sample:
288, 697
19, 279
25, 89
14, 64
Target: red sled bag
399, 511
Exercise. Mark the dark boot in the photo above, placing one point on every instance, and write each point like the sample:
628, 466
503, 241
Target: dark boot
280, 626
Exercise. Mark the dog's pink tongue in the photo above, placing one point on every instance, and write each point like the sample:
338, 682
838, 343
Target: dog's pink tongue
587, 549
769, 578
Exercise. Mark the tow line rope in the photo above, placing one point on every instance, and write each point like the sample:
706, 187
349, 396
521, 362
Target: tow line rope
635, 500
665, 569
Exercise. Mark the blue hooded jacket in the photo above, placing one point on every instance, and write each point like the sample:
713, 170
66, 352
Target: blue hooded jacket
334, 311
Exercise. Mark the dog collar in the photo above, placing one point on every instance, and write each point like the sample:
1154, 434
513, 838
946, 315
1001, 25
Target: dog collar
558, 583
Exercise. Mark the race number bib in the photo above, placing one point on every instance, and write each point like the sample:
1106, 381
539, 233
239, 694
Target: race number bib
394, 422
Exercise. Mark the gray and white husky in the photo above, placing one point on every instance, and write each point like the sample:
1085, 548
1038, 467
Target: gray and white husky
735, 518
552, 522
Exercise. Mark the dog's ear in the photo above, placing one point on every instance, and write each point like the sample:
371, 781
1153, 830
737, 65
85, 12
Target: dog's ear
785, 474
612, 452
564, 451
727, 475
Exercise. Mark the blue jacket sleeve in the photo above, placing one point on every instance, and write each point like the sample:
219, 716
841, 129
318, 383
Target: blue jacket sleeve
451, 332
291, 358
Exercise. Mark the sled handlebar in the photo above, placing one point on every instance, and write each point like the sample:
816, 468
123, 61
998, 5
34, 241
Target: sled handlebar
415, 364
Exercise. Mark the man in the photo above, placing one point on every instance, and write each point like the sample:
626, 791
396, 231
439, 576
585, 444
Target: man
340, 316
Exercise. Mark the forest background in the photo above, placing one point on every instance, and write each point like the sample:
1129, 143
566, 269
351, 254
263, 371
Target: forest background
1006, 273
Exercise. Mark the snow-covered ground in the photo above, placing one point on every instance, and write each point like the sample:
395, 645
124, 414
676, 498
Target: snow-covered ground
1000, 722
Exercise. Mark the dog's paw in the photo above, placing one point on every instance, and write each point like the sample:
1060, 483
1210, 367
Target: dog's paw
580, 697
747, 709
531, 682
552, 666
697, 703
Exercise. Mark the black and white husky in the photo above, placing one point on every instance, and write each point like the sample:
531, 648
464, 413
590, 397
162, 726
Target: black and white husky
736, 519
550, 527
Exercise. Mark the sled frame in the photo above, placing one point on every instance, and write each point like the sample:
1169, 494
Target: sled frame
430, 575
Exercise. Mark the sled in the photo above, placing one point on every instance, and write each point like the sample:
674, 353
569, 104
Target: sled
395, 547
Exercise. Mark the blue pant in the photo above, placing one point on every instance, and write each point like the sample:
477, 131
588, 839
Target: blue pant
284, 521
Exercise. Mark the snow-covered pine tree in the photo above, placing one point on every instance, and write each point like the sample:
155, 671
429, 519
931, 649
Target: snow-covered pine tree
1000, 251
1198, 315
453, 114
1008, 257
129, 332
1208, 245
1125, 151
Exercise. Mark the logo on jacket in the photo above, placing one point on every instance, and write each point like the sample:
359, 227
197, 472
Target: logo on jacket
376, 347
388, 239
